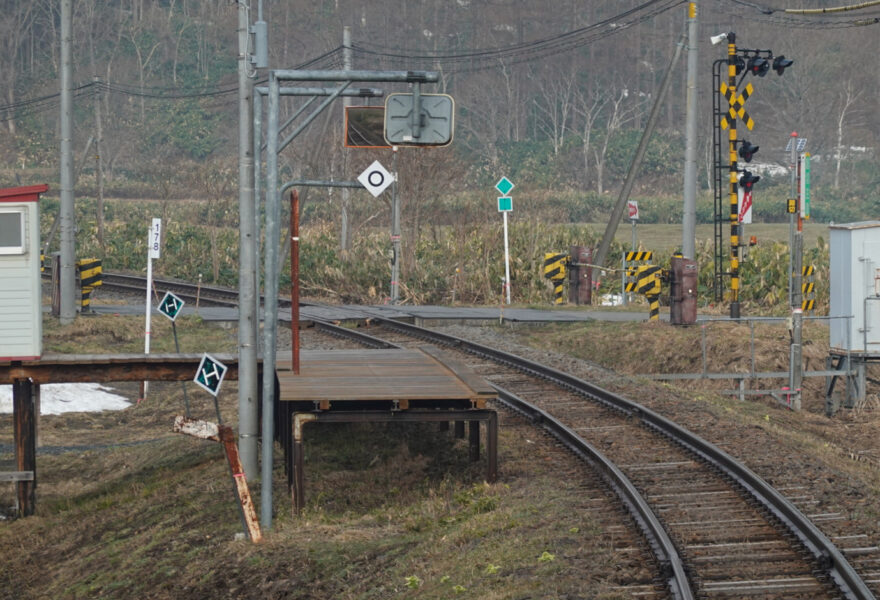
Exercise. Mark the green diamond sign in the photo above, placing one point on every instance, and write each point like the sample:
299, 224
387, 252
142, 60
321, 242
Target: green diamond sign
170, 305
504, 186
210, 374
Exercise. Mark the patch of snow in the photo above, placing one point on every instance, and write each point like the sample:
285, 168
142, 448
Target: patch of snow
57, 398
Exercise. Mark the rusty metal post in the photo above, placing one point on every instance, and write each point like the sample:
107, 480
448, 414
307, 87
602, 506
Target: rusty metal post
683, 292
580, 288
459, 430
56, 284
474, 440
25, 444
492, 447
294, 278
243, 493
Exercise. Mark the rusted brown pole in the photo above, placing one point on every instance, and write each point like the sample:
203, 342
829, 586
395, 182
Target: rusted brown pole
294, 278
227, 438
25, 434
474, 440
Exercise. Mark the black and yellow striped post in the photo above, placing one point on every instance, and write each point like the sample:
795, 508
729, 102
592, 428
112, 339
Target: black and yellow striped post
649, 286
554, 270
646, 281
734, 182
90, 276
630, 272
808, 289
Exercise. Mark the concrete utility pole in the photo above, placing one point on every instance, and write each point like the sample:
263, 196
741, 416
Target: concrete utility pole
66, 212
617, 211
248, 322
796, 233
344, 236
689, 219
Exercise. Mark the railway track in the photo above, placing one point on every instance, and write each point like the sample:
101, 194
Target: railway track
716, 529
204, 294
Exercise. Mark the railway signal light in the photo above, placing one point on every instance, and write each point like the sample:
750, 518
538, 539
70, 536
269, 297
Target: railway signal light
748, 180
747, 150
758, 66
780, 64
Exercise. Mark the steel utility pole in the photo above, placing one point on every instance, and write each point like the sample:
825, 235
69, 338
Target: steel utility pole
66, 212
344, 236
248, 322
689, 219
395, 231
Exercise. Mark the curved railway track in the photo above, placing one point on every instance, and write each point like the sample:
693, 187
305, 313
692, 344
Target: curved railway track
205, 294
716, 528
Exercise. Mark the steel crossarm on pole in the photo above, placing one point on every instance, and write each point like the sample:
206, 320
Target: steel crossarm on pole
358, 75
273, 234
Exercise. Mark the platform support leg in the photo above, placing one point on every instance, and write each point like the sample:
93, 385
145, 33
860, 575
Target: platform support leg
25, 434
474, 440
299, 480
492, 447
459, 430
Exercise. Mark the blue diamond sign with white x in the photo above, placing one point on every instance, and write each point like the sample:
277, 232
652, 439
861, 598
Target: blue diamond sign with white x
210, 374
504, 186
170, 305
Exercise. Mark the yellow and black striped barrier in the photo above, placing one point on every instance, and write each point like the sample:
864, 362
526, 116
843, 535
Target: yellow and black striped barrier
646, 281
554, 270
808, 288
90, 277
639, 256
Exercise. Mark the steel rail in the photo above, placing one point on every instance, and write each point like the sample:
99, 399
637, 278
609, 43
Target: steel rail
828, 557
664, 550
825, 553
671, 565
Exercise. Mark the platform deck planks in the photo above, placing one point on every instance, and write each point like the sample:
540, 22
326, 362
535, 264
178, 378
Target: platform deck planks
423, 374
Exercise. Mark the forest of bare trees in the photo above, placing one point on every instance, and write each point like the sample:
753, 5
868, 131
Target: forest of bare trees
554, 94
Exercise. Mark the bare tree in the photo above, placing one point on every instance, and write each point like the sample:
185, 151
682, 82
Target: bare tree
847, 100
620, 114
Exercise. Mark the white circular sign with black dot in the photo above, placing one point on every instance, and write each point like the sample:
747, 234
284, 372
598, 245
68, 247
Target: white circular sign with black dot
376, 178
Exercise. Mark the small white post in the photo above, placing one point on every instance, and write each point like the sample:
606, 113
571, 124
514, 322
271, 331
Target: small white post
154, 240
506, 258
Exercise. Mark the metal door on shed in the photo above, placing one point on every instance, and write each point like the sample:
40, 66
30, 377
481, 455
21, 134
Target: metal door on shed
20, 294
870, 341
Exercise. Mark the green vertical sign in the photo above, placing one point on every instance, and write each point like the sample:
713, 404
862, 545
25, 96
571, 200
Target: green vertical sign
805, 185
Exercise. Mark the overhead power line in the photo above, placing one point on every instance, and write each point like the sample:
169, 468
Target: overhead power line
50, 102
526, 51
805, 17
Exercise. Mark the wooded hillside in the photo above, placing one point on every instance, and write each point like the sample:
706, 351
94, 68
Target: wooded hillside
552, 94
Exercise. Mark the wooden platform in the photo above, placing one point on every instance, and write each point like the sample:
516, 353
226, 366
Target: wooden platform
381, 379
346, 386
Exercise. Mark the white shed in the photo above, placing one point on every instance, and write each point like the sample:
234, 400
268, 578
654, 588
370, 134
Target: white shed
21, 325
855, 287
